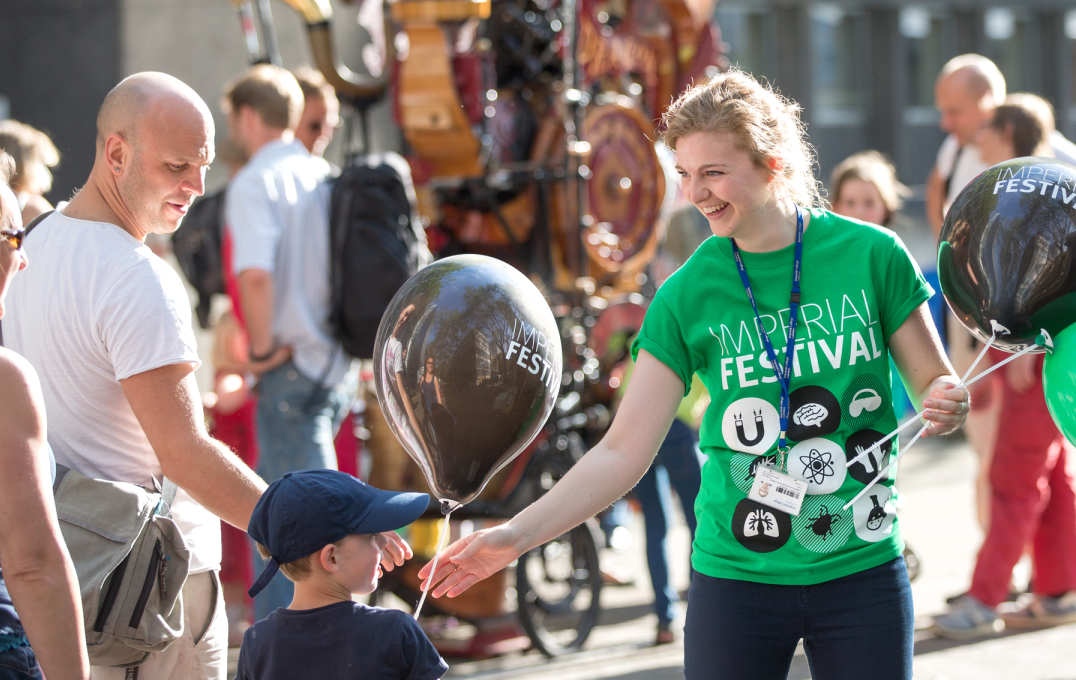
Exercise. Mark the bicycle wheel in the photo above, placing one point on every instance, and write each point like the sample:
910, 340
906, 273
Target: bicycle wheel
558, 588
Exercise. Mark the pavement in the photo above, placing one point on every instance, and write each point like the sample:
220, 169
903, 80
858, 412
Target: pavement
936, 512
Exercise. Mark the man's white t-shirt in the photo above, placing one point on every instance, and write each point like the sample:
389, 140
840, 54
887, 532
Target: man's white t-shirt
96, 306
277, 212
968, 165
1062, 147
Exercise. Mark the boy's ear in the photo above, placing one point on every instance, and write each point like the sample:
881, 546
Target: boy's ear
775, 164
327, 558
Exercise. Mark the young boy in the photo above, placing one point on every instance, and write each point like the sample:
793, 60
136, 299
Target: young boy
326, 531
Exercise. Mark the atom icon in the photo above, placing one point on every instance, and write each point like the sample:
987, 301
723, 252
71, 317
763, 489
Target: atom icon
817, 465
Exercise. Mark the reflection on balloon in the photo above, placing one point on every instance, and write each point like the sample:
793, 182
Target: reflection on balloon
1007, 251
1059, 382
467, 369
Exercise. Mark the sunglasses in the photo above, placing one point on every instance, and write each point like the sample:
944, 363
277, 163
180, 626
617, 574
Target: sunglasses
15, 238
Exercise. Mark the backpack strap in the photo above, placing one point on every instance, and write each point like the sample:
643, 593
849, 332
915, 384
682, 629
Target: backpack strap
168, 495
948, 182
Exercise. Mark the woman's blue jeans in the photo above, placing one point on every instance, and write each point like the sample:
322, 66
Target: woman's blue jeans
858, 626
675, 468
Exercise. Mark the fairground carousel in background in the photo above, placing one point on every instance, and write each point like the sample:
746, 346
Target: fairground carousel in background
529, 125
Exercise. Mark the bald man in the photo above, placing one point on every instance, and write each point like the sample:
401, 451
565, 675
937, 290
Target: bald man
107, 324
968, 89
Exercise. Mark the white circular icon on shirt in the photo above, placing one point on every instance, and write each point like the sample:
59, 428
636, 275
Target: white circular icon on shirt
864, 400
820, 463
750, 425
873, 514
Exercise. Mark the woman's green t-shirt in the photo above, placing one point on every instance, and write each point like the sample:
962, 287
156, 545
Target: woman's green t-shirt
858, 285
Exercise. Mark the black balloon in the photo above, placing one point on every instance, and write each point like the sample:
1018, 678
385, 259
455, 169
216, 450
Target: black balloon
1007, 251
467, 369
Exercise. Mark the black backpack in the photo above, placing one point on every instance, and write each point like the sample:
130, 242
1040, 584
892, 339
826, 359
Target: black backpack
376, 243
197, 247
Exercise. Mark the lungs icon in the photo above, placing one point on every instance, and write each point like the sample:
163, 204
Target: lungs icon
761, 521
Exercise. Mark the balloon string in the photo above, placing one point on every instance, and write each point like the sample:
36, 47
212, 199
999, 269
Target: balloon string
982, 353
965, 382
876, 446
1014, 357
922, 430
433, 570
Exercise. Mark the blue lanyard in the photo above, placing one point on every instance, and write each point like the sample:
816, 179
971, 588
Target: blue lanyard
783, 373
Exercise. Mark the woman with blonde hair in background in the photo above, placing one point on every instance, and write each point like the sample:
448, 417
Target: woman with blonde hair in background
34, 155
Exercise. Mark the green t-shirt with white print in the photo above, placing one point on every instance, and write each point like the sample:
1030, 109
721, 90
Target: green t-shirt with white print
858, 285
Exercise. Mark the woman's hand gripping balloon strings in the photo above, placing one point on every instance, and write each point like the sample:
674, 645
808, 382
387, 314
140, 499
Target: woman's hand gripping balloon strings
946, 406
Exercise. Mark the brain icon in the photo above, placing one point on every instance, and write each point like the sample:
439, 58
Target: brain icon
810, 415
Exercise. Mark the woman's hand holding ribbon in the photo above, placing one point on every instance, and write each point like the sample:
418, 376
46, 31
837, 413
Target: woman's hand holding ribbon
946, 405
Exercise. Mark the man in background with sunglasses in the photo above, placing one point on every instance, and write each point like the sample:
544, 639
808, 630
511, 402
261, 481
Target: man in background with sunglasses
107, 325
276, 213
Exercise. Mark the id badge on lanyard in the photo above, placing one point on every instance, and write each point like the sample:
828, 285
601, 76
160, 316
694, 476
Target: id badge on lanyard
773, 486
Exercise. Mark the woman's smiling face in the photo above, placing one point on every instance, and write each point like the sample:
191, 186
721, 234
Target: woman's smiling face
723, 181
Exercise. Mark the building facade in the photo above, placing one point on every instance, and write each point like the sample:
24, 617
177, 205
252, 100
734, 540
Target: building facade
864, 70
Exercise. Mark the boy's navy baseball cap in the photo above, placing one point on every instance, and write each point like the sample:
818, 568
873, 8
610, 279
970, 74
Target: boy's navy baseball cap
304, 511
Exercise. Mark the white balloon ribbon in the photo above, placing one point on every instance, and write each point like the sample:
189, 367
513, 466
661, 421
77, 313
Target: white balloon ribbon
1044, 341
445, 528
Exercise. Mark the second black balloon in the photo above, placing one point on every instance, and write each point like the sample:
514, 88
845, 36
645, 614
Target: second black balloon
1007, 251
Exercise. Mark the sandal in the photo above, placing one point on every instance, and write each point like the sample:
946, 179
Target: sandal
1041, 611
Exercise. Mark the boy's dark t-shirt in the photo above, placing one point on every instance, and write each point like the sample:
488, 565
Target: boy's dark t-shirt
341, 640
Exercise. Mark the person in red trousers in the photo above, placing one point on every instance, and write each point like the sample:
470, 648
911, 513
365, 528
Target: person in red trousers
1032, 507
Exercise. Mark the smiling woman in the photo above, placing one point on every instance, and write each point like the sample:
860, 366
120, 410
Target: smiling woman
785, 371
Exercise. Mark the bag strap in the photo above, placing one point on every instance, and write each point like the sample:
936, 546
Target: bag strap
168, 490
948, 182
168, 495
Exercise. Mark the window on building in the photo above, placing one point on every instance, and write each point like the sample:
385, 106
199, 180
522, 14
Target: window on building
839, 71
1007, 40
923, 31
750, 33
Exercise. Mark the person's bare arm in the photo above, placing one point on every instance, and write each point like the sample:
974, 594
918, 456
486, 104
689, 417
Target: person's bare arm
166, 403
256, 299
37, 568
930, 377
604, 474
935, 200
